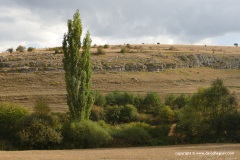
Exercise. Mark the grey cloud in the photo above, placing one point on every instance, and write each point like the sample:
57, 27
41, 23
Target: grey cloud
186, 20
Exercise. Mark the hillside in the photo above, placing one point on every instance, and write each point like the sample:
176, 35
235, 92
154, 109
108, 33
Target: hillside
160, 68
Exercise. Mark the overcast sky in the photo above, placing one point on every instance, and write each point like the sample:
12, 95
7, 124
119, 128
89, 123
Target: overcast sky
42, 23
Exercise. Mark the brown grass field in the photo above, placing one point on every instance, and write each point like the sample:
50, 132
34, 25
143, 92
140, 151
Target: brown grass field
181, 152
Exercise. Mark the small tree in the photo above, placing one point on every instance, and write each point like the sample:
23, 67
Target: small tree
235, 44
78, 70
30, 49
10, 50
20, 48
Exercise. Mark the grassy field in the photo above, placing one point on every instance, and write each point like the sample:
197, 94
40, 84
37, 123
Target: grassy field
182, 152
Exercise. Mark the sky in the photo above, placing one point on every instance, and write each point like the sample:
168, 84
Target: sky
42, 23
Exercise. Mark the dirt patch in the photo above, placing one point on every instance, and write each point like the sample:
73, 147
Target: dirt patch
183, 152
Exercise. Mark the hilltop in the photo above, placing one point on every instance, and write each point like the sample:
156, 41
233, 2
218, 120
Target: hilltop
141, 68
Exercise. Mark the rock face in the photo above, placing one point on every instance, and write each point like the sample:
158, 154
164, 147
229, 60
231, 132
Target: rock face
124, 63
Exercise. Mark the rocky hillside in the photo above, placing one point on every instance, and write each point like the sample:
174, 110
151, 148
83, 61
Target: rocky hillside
154, 58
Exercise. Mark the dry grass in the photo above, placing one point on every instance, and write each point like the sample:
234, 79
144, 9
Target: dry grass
202, 152
24, 88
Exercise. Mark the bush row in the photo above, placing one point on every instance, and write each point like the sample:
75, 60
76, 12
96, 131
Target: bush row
43, 129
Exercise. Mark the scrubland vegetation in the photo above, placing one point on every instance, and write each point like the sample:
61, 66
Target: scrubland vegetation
117, 119
121, 119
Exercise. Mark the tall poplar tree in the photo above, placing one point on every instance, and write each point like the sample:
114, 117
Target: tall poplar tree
77, 66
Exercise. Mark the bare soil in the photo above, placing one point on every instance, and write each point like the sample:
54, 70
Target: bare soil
181, 152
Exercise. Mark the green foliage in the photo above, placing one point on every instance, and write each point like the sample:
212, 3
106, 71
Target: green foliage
106, 46
169, 100
166, 114
97, 113
30, 49
151, 104
121, 114
118, 98
20, 48
100, 99
78, 70
180, 102
159, 135
41, 106
39, 132
114, 98
113, 114
10, 50
201, 121
10, 114
85, 134
128, 113
130, 135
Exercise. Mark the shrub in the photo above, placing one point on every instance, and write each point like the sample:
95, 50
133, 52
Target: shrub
41, 106
159, 135
39, 132
114, 98
106, 46
180, 101
166, 115
10, 50
123, 50
10, 114
131, 135
128, 113
85, 134
118, 98
172, 48
97, 113
127, 98
99, 99
100, 51
30, 49
151, 104
113, 114
20, 48
169, 100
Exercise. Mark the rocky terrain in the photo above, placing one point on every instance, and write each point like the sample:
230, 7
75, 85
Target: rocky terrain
144, 60
143, 68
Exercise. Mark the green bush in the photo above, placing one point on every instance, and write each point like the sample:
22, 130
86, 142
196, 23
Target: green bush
97, 113
106, 46
169, 100
118, 98
180, 101
159, 135
10, 114
128, 113
99, 99
151, 104
39, 132
130, 135
85, 134
202, 120
166, 115
121, 114
113, 114
10, 50
114, 98
41, 106
20, 48
30, 49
